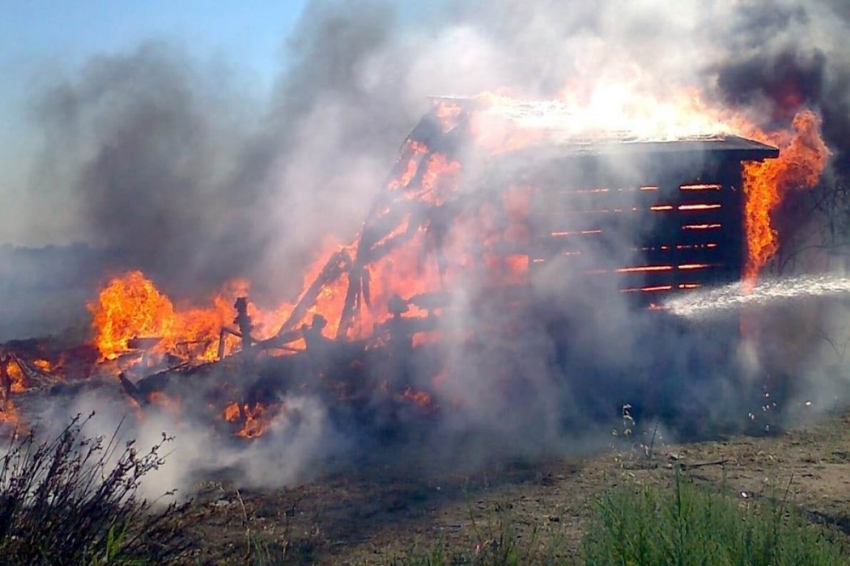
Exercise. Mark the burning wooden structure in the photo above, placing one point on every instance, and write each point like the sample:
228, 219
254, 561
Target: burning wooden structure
677, 206
644, 217
659, 217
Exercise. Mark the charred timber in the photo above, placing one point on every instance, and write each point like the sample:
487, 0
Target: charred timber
131, 390
244, 323
337, 265
430, 131
145, 343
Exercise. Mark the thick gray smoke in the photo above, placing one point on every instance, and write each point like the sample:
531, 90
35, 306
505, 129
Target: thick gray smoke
151, 139
196, 182
170, 163
791, 55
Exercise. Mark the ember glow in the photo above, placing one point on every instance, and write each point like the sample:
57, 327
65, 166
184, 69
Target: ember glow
254, 419
701, 187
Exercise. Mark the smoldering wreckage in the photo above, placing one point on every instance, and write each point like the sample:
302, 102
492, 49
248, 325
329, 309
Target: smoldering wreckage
491, 266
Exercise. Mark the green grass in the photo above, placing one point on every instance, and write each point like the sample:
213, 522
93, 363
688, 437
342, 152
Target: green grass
680, 525
688, 525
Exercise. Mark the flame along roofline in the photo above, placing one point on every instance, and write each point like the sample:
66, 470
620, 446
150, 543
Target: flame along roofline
563, 144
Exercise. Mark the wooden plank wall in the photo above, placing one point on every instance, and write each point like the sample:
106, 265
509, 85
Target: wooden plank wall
667, 234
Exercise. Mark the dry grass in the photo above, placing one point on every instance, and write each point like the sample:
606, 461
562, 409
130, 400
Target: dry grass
73, 500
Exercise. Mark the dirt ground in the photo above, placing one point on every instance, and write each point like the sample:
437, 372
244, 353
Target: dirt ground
372, 515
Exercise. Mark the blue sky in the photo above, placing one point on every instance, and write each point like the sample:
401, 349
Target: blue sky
67, 32
61, 35
41, 38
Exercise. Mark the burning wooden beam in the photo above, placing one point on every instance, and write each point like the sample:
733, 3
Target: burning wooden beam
337, 265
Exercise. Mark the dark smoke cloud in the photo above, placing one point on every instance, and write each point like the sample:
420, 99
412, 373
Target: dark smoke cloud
789, 80
148, 136
792, 56
197, 183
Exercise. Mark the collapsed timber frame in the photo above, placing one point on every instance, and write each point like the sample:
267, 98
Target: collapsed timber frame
659, 217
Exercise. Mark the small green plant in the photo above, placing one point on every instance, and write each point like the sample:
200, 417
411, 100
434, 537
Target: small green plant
687, 525
73, 501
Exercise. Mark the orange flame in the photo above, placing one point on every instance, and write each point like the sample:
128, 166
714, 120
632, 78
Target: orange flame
8, 413
421, 398
802, 159
16, 376
630, 108
440, 179
11, 381
256, 418
448, 113
231, 412
130, 307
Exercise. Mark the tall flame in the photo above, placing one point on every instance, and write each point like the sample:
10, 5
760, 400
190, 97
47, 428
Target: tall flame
130, 307
802, 159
